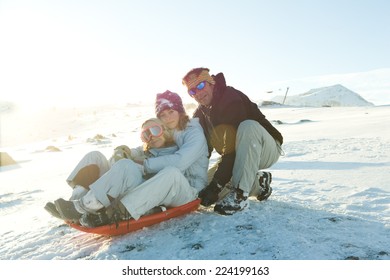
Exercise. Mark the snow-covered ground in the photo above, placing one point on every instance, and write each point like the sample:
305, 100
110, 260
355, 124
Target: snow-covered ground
331, 198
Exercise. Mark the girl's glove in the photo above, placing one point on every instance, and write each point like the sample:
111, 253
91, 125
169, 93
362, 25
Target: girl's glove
120, 152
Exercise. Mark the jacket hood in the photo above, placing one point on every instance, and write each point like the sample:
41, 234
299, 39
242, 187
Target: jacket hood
219, 88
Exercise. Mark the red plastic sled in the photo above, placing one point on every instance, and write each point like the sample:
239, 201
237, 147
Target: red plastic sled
145, 221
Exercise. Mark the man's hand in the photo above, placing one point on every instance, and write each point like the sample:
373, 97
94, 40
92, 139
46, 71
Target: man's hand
209, 194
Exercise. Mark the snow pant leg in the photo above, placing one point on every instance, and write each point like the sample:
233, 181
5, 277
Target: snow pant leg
123, 176
255, 149
168, 187
88, 203
91, 167
78, 192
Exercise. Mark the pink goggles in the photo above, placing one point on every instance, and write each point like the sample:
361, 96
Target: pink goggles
147, 133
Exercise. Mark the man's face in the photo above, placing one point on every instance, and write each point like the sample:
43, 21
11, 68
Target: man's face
203, 95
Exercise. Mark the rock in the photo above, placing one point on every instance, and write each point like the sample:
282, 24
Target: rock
52, 149
6, 159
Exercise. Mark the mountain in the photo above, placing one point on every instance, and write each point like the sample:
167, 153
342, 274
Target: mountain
331, 96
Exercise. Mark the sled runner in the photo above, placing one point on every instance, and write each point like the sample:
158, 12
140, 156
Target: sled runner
127, 226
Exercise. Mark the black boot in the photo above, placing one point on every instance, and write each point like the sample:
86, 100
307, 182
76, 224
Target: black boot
235, 201
95, 220
112, 214
67, 210
265, 180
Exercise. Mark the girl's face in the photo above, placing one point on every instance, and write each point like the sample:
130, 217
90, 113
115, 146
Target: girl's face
170, 118
154, 141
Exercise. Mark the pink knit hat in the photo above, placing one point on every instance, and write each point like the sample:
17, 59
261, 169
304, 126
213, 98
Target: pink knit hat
168, 100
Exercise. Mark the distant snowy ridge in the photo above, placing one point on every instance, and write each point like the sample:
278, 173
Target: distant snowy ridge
332, 96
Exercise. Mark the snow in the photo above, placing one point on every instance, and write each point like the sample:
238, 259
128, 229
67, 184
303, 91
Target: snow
331, 198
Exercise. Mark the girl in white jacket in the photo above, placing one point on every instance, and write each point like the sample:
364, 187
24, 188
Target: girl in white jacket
158, 141
179, 176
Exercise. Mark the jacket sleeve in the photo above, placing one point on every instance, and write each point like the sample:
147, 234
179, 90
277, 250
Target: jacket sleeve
199, 115
193, 143
266, 124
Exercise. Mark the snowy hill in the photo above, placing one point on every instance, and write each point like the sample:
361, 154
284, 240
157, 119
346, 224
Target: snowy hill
373, 85
332, 96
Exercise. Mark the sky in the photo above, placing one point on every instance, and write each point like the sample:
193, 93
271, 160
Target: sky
84, 52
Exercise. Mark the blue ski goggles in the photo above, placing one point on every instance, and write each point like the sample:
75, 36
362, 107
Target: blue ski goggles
195, 90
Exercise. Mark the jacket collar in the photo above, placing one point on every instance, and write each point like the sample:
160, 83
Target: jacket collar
219, 88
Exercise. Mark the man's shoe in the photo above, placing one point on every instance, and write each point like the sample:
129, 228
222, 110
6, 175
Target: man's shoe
51, 208
235, 201
265, 183
67, 210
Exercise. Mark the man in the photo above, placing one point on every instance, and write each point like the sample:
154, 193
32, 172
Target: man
241, 134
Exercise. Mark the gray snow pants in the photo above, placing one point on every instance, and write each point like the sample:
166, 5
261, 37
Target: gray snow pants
256, 149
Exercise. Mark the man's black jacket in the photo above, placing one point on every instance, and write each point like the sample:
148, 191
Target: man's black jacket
220, 121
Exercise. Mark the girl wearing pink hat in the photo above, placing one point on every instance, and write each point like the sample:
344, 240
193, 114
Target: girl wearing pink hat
178, 176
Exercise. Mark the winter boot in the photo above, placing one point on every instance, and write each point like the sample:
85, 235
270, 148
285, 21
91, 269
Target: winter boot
265, 179
235, 201
67, 210
51, 208
95, 220
112, 214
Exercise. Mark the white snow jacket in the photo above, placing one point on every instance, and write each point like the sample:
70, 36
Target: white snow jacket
191, 158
